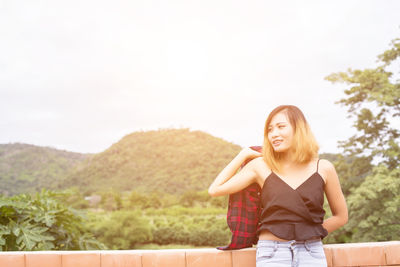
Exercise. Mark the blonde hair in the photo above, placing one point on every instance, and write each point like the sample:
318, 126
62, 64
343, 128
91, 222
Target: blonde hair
305, 146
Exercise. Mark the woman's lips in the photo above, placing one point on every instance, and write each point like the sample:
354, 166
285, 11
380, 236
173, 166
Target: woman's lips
277, 142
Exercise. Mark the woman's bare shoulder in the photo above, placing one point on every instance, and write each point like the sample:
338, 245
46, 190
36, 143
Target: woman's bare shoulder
326, 169
325, 165
261, 168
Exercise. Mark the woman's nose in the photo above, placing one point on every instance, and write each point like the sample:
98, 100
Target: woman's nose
273, 132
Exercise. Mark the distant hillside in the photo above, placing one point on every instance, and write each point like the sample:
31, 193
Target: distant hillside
167, 160
28, 168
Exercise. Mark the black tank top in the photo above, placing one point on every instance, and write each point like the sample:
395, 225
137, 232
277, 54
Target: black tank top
293, 214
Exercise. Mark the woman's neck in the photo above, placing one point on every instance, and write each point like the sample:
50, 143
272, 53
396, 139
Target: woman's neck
288, 161
287, 158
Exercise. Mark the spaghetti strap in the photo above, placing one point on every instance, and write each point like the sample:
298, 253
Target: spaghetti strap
317, 164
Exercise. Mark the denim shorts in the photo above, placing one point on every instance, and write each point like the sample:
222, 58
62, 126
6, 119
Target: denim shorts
293, 253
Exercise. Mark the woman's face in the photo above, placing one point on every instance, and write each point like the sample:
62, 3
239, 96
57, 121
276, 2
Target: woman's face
280, 133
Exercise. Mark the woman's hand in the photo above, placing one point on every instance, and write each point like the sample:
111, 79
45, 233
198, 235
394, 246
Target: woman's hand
250, 153
227, 182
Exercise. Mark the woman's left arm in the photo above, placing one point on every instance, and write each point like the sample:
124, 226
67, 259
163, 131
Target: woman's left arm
336, 200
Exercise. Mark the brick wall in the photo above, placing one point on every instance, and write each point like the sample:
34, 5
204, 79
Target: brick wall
355, 254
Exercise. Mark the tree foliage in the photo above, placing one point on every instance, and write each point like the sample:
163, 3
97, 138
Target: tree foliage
47, 221
130, 229
42, 222
121, 229
373, 100
375, 207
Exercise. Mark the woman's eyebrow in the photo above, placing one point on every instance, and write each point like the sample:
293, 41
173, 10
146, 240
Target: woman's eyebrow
280, 122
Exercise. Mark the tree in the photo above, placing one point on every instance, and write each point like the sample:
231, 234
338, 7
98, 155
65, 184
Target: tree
375, 206
373, 100
121, 229
111, 200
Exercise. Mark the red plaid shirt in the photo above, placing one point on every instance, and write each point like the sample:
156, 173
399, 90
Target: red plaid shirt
243, 215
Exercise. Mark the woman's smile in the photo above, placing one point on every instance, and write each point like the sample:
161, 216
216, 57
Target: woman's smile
277, 142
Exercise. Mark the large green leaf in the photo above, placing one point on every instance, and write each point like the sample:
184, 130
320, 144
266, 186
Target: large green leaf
4, 230
29, 235
46, 217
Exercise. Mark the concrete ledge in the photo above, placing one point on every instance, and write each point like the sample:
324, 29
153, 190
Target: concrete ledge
344, 255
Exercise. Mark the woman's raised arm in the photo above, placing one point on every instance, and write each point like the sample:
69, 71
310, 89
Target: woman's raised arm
227, 182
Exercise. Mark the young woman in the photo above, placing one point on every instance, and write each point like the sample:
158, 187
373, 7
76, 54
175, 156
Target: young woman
293, 182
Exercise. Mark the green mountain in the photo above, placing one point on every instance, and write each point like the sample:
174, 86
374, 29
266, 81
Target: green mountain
28, 168
166, 160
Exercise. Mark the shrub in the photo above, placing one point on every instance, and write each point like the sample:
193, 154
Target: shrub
42, 222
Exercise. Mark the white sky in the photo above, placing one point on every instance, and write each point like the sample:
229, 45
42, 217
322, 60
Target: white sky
80, 75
